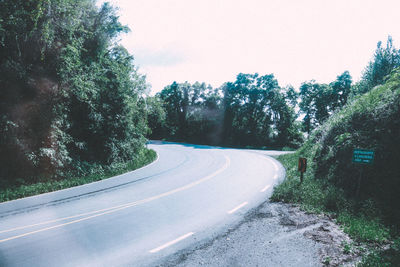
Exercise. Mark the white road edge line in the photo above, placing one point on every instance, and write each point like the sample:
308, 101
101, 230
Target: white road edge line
96, 182
171, 242
238, 207
117, 208
276, 167
265, 188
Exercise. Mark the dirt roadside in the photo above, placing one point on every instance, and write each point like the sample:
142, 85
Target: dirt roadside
274, 234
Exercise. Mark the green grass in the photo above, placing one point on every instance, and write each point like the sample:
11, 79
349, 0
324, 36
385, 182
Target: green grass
313, 195
364, 229
146, 156
383, 258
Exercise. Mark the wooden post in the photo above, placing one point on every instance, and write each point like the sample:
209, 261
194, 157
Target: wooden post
362, 157
359, 182
302, 167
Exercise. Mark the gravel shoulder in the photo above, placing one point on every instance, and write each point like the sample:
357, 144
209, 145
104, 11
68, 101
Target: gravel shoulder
274, 234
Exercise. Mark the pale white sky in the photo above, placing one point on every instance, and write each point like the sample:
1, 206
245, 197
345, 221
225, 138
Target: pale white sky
213, 40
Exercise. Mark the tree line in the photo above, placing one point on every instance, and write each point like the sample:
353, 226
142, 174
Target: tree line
255, 110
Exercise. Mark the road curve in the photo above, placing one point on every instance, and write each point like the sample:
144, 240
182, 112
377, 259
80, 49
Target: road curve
189, 194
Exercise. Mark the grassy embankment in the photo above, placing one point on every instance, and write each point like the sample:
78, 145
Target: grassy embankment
369, 214
146, 157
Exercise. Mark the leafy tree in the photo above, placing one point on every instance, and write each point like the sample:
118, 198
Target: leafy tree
256, 112
246, 123
288, 129
176, 107
384, 61
192, 112
156, 117
205, 115
291, 96
341, 89
70, 95
315, 104
319, 101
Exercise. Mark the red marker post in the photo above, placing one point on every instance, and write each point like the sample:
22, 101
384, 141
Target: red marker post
302, 167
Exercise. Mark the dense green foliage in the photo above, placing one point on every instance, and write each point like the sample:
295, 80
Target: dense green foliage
252, 111
156, 117
70, 95
319, 101
385, 59
193, 113
45, 185
372, 121
257, 112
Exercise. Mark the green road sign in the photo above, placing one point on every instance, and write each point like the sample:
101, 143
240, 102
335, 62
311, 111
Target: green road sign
363, 156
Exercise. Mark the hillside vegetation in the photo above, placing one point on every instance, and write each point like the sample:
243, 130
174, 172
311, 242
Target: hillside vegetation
370, 213
70, 97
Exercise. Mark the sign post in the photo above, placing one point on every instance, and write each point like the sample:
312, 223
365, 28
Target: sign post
363, 157
302, 167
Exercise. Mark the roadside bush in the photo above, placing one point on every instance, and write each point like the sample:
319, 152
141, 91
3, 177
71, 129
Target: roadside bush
88, 174
370, 122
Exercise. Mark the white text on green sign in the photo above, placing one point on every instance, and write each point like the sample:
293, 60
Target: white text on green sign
363, 156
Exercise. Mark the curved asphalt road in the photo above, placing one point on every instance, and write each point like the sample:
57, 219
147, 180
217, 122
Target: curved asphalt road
190, 193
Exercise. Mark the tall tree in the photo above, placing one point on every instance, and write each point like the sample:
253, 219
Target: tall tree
315, 104
341, 89
156, 117
385, 60
192, 112
256, 111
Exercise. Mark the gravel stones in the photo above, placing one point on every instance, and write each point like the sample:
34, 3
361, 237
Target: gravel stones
274, 234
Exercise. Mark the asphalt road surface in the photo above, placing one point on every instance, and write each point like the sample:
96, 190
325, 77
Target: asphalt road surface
138, 219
